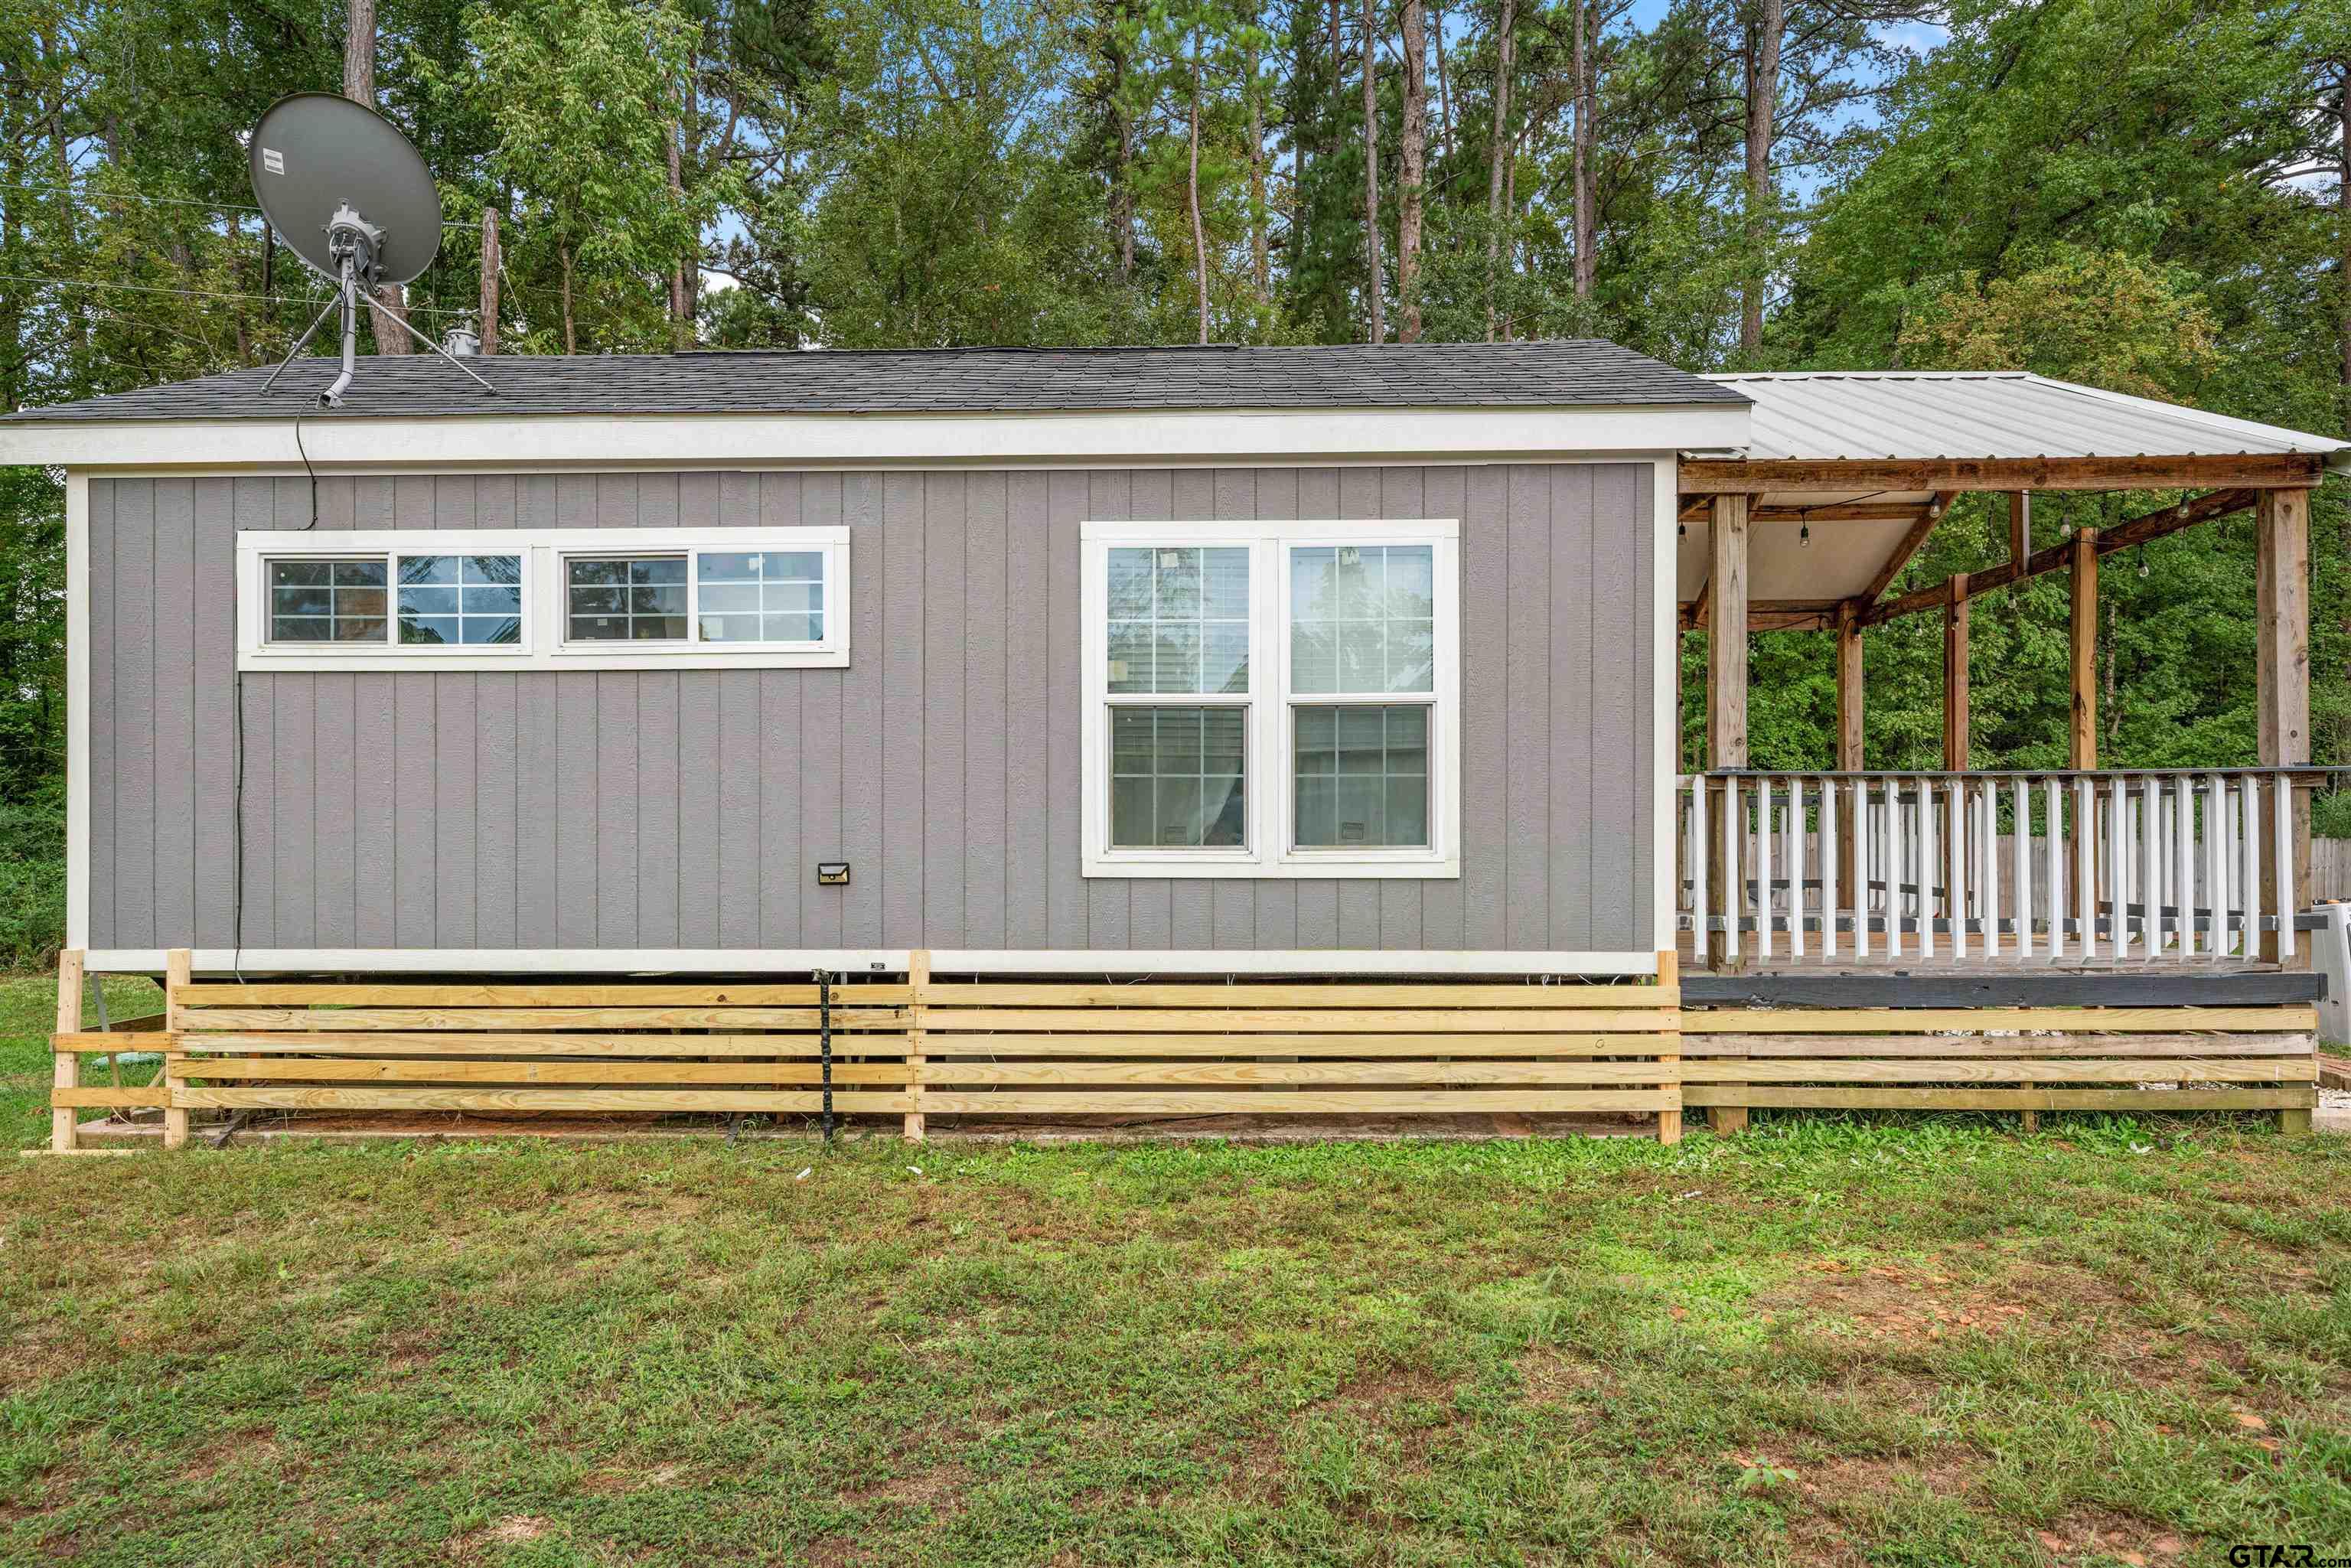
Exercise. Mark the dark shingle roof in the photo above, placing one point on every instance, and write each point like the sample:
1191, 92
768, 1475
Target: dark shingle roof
1583, 372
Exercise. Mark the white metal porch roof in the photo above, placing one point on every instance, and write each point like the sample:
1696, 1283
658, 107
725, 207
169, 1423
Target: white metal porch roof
1860, 415
1868, 415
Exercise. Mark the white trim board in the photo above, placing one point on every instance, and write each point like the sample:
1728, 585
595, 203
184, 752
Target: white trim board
867, 960
78, 780
1665, 696
336, 443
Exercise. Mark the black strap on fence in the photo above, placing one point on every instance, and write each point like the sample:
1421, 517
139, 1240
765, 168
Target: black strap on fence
824, 1042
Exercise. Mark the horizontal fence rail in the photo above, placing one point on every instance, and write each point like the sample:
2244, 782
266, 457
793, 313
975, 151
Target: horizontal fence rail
2024, 866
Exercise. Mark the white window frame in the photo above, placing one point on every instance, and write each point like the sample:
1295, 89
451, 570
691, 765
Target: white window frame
544, 623
1268, 800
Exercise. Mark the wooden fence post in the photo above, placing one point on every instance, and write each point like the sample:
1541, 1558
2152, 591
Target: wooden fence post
178, 965
1669, 1121
918, 981
64, 1134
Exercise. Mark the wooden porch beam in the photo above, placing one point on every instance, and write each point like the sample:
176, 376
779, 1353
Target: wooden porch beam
1924, 525
2136, 530
1728, 477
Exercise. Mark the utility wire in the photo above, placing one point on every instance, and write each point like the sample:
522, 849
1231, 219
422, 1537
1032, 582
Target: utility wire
85, 194
207, 293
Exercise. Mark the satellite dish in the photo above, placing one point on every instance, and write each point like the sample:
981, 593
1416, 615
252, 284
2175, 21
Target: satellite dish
347, 194
315, 154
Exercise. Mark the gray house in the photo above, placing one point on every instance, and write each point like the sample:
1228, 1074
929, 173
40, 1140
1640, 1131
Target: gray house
1326, 659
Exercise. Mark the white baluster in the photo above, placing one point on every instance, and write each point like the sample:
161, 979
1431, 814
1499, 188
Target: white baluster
2116, 864
2053, 807
2281, 820
1797, 859
2215, 942
1829, 867
1700, 831
1864, 845
1764, 867
1924, 883
1955, 873
2020, 810
1734, 894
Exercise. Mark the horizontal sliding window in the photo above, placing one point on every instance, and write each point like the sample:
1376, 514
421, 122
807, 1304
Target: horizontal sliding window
460, 599
559, 598
635, 599
327, 601
764, 596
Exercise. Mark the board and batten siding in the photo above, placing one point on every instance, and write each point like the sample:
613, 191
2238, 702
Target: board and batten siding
688, 808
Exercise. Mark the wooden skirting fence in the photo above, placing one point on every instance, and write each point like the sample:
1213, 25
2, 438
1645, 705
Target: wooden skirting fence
2023, 1058
918, 1047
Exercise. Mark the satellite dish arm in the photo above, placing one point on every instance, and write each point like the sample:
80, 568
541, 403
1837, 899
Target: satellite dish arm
408, 326
303, 341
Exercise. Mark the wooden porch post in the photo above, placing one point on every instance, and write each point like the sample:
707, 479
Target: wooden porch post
2081, 747
1851, 697
1955, 675
64, 1129
179, 968
2083, 751
2019, 527
1726, 726
2282, 676
1725, 695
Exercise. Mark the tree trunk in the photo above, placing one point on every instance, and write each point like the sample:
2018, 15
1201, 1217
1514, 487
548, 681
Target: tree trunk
1121, 187
1443, 92
1411, 157
1499, 148
1587, 102
2343, 222
385, 310
680, 308
1192, 198
1260, 218
570, 333
1763, 39
489, 308
1375, 277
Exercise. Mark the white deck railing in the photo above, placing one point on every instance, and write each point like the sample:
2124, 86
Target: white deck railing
1997, 865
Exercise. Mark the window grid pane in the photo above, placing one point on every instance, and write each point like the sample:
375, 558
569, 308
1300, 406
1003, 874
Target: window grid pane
449, 600
327, 601
1179, 619
1361, 619
760, 596
1177, 777
1361, 777
635, 599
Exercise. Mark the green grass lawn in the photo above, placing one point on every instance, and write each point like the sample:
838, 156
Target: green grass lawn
1817, 1343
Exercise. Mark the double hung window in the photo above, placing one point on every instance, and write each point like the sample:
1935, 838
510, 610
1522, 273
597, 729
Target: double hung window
1275, 699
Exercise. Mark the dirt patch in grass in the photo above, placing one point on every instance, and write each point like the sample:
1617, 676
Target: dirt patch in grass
940, 1489
1932, 1300
1551, 1375
514, 1530
2087, 1535
255, 1445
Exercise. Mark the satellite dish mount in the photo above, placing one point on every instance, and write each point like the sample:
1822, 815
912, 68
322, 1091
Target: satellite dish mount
316, 160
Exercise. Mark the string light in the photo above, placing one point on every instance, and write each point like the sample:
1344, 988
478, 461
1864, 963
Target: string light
1804, 529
